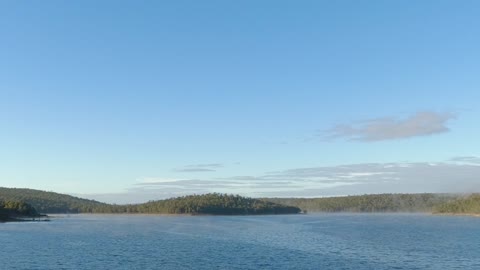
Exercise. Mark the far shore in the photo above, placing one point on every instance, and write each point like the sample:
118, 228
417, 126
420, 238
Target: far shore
41, 218
61, 215
457, 214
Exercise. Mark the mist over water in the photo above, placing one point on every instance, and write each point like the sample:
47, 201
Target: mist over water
323, 241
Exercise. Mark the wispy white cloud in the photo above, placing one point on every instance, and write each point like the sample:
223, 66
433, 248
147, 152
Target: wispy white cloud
459, 174
390, 128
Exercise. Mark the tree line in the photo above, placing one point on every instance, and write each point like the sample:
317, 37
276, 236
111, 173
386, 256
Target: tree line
224, 204
464, 205
424, 202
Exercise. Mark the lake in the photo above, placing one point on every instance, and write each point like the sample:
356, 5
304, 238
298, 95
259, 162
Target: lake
313, 241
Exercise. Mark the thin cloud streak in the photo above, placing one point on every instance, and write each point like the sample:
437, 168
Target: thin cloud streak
211, 167
390, 128
466, 159
195, 170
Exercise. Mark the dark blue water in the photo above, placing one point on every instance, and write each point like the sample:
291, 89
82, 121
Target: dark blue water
336, 241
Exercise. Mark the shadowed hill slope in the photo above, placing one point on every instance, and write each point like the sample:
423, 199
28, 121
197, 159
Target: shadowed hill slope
50, 202
10, 210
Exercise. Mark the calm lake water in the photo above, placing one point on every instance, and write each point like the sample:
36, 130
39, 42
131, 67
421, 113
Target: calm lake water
329, 241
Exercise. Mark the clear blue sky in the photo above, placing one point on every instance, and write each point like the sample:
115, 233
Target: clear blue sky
106, 97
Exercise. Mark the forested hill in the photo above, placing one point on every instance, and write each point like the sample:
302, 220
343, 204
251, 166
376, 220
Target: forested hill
214, 204
425, 202
50, 202
464, 205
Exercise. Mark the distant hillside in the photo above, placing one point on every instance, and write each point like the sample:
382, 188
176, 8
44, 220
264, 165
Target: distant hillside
370, 203
50, 202
463, 205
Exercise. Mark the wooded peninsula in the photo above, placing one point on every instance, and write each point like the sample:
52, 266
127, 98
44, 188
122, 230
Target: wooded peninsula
17, 211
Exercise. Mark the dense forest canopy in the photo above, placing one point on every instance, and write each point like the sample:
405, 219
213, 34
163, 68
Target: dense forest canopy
424, 202
215, 203
10, 209
464, 205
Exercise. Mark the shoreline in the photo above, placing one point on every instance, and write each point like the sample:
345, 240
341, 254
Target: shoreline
41, 218
457, 214
161, 214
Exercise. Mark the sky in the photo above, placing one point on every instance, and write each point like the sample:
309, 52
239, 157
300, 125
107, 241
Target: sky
129, 101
